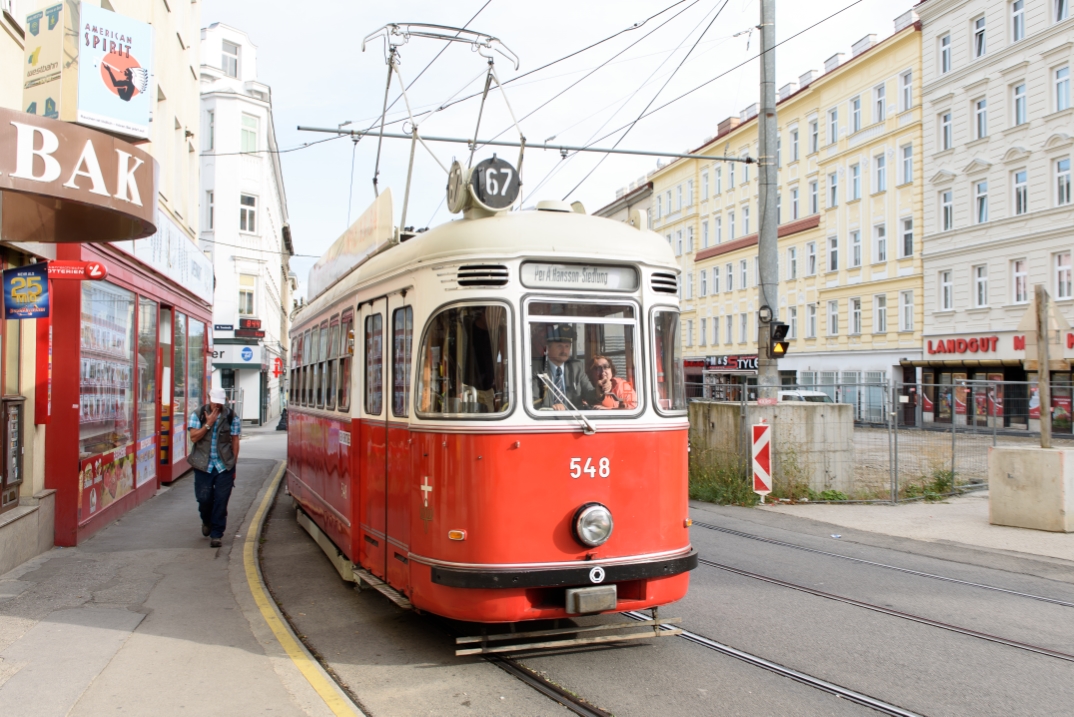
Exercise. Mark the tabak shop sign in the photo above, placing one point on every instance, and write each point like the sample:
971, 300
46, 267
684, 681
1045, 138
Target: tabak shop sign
61, 182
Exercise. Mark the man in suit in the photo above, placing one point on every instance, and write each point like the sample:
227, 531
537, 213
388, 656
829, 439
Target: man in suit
565, 372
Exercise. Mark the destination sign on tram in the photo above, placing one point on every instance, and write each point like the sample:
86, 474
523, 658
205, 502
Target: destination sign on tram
537, 275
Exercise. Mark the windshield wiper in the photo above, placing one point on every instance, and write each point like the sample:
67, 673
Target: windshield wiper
587, 427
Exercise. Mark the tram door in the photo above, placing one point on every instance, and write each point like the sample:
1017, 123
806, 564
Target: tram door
400, 332
372, 447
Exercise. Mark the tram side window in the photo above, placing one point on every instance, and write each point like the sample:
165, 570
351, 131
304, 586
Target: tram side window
583, 355
307, 386
667, 362
315, 368
322, 367
346, 350
374, 364
296, 370
402, 338
333, 359
465, 359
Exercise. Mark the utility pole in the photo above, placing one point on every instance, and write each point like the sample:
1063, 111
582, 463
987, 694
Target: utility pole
768, 238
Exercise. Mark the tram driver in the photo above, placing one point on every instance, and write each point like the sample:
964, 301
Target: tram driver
564, 371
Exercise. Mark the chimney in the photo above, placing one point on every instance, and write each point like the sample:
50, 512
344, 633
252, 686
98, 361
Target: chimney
786, 91
833, 62
749, 113
727, 125
862, 45
905, 20
807, 78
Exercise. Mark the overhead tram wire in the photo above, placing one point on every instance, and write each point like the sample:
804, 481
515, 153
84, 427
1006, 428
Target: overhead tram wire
300, 147
662, 87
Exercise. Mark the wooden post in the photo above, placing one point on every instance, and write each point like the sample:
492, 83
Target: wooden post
1044, 383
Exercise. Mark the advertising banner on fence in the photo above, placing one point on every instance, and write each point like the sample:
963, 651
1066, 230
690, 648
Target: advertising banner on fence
115, 66
26, 292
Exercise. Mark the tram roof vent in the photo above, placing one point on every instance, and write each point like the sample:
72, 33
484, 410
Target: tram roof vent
665, 282
483, 275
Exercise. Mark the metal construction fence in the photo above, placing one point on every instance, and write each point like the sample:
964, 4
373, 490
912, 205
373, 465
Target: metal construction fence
896, 442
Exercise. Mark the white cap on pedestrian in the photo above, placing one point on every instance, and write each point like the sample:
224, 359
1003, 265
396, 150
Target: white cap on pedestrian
217, 395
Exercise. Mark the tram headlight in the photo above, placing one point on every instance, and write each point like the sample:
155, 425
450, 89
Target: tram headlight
593, 524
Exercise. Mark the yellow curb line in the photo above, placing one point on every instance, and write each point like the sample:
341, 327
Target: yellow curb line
309, 668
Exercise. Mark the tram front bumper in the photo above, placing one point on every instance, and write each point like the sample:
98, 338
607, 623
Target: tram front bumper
584, 574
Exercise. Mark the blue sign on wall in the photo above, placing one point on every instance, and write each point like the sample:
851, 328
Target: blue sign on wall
247, 354
26, 292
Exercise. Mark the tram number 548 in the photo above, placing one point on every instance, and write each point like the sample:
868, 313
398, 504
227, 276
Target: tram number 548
603, 468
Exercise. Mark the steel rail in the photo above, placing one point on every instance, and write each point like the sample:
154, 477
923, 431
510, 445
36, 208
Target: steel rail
549, 689
908, 571
562, 148
895, 613
784, 671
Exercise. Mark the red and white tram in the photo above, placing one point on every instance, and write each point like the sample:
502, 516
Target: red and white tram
453, 431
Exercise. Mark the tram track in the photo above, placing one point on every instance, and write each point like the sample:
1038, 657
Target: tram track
569, 700
790, 673
862, 561
892, 612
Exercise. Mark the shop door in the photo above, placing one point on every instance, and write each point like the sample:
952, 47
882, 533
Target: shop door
909, 389
165, 398
398, 467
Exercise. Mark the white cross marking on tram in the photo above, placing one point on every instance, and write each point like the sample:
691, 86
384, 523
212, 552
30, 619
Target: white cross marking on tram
426, 489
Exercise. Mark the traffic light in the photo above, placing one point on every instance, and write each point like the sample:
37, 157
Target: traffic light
777, 346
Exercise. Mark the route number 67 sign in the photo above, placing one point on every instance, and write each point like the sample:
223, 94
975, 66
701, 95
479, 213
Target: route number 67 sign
494, 183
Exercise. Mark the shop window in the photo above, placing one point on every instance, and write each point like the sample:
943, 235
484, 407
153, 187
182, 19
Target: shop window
195, 373
346, 352
147, 391
374, 364
107, 378
179, 388
402, 338
464, 362
247, 285
332, 364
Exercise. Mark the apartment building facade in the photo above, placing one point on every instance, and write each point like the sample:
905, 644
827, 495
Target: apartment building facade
850, 269
998, 144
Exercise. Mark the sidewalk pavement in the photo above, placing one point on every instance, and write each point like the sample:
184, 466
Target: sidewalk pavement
146, 618
962, 520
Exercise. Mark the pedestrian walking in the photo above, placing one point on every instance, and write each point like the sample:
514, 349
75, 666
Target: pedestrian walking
214, 433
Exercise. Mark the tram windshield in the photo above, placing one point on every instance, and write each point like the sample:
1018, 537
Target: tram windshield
464, 362
582, 356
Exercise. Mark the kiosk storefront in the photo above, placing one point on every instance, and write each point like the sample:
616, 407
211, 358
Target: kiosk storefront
725, 376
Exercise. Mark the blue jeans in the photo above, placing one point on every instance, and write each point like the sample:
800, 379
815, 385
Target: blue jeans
212, 491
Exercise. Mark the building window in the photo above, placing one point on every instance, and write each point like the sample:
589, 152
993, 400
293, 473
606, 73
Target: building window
880, 243
947, 291
678, 198
980, 285
881, 163
703, 335
855, 316
209, 210
811, 321
730, 277
667, 200
1021, 192
814, 136
855, 114
1062, 182
794, 145
745, 170
689, 240
779, 208
794, 203
719, 229
689, 332
980, 118
744, 273
1062, 276
792, 322
247, 284
1020, 104
715, 280
704, 186
906, 242
814, 197
906, 311
811, 258
690, 286
946, 131
743, 328
779, 150
1019, 281
704, 282
833, 126
719, 180
731, 224
715, 330
745, 220
249, 133
1062, 88
792, 263
659, 206
1018, 20
1062, 10
212, 130
880, 103
730, 329
855, 248
690, 193
705, 234
979, 37
229, 60
833, 190
247, 213
833, 253
945, 54
906, 87
947, 210
907, 163
880, 314
980, 193
678, 243
833, 318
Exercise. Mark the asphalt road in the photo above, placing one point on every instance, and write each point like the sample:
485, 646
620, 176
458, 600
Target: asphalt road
401, 663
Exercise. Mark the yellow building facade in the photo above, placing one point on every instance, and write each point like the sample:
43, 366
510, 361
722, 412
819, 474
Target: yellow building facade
850, 269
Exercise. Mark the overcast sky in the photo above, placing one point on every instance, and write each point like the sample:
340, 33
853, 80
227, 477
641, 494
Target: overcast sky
311, 56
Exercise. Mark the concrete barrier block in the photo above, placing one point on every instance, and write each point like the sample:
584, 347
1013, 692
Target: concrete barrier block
1031, 487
